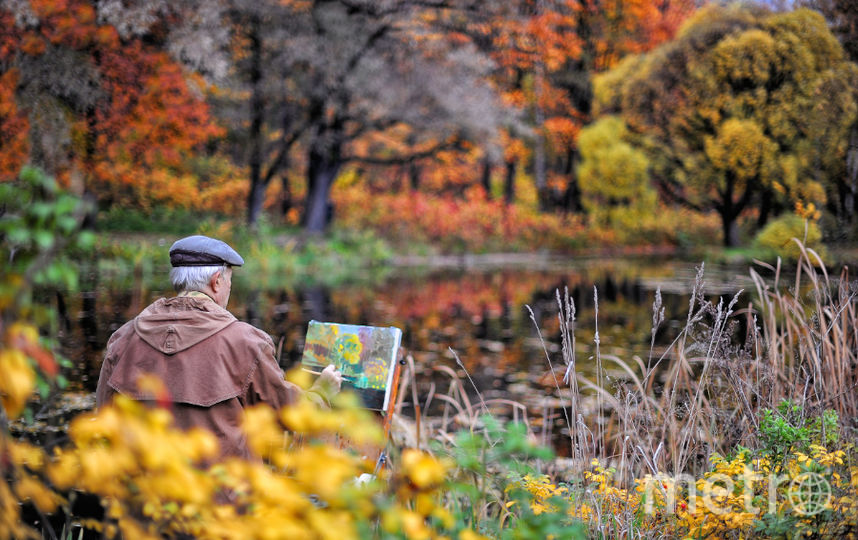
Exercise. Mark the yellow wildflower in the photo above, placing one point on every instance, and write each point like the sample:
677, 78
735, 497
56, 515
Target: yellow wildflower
414, 525
29, 488
17, 382
423, 470
23, 453
468, 534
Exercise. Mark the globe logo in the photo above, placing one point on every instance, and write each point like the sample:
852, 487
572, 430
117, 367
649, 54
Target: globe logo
809, 494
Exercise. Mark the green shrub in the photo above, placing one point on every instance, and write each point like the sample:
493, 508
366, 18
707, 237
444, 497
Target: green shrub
178, 221
778, 238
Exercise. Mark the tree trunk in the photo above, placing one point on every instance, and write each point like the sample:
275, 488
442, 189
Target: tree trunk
323, 167
257, 186
730, 209
765, 208
414, 175
731, 230
255, 198
851, 175
509, 183
486, 178
539, 166
316, 300
572, 196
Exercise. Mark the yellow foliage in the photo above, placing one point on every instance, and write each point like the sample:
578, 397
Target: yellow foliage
781, 236
542, 489
20, 342
749, 55
741, 148
17, 382
155, 480
745, 101
614, 177
422, 470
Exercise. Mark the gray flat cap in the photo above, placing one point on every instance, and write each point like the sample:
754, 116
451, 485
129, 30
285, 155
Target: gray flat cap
201, 250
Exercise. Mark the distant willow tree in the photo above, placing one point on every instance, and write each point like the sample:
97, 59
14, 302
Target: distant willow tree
744, 107
615, 187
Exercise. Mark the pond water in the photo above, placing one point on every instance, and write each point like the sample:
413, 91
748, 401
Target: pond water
498, 316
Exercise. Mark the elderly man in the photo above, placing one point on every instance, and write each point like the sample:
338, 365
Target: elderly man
211, 364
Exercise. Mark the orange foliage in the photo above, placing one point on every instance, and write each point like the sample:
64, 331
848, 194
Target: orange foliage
538, 45
135, 143
14, 145
472, 223
150, 128
228, 197
451, 170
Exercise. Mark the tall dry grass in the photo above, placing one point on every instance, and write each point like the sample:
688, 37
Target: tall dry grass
792, 336
796, 338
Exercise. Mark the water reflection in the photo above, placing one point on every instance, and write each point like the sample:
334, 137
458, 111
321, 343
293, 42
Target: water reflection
480, 314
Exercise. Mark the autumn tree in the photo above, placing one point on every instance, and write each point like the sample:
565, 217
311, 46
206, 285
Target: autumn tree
331, 82
842, 16
744, 106
546, 53
107, 108
614, 176
257, 101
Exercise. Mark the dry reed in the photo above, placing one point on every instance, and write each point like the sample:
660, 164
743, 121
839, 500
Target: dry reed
703, 394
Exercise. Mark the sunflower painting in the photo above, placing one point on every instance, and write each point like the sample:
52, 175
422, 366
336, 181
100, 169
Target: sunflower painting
364, 354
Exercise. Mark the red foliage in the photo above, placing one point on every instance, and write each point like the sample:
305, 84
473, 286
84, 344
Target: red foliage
134, 145
150, 126
538, 46
14, 145
472, 223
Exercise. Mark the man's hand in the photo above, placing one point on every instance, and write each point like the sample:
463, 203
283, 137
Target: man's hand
329, 382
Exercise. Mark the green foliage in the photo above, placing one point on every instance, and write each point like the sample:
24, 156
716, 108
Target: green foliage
39, 238
783, 430
40, 245
531, 525
826, 428
353, 246
160, 219
790, 429
776, 525
336, 258
492, 469
613, 177
275, 256
779, 236
745, 104
504, 446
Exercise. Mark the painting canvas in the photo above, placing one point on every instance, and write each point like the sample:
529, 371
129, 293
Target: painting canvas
366, 356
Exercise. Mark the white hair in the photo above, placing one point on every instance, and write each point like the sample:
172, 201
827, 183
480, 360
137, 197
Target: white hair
193, 278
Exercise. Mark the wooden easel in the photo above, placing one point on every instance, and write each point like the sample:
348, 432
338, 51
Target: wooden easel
381, 462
